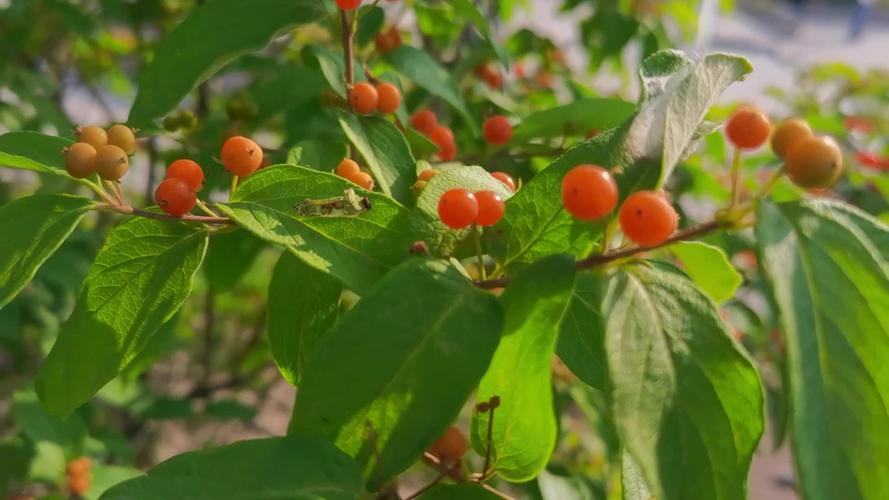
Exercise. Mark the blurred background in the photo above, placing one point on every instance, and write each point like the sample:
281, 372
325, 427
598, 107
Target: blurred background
207, 377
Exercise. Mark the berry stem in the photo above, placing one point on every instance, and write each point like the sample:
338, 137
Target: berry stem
424, 489
770, 183
233, 187
99, 191
736, 176
203, 206
348, 52
477, 236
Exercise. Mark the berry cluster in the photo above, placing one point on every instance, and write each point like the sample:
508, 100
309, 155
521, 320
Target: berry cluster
366, 98
497, 130
350, 170
459, 208
442, 136
590, 193
101, 151
78, 473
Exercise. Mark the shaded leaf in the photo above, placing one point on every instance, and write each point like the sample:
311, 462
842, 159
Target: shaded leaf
386, 152
33, 151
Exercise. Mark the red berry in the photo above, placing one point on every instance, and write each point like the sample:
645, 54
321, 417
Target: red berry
451, 446
748, 128
364, 98
457, 208
505, 178
175, 197
188, 171
589, 192
348, 4
647, 218
443, 137
79, 466
424, 121
241, 156
490, 208
78, 485
389, 98
348, 169
448, 152
364, 180
497, 130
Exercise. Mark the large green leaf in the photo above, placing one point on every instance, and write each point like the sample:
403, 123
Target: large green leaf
287, 88
211, 36
397, 369
575, 118
469, 11
34, 423
687, 402
357, 250
828, 265
33, 228
229, 256
302, 305
139, 280
333, 67
582, 333
708, 266
524, 425
296, 467
386, 152
419, 66
33, 151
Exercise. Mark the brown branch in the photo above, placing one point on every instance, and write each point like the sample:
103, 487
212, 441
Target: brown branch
611, 256
189, 218
348, 51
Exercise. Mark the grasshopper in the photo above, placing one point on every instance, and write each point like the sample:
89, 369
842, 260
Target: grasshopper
348, 205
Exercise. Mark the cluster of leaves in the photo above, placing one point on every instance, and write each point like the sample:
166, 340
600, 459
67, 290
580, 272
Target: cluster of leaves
678, 403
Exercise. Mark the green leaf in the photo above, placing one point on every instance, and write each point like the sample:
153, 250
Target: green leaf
333, 67
357, 250
462, 491
581, 336
289, 467
139, 280
103, 477
320, 154
229, 256
302, 304
210, 37
524, 425
33, 228
419, 66
687, 402
289, 87
631, 480
369, 24
828, 264
33, 151
468, 10
708, 266
34, 423
574, 119
386, 152
396, 370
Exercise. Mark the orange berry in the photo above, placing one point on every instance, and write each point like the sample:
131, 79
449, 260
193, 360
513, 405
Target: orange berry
348, 4
788, 133
364, 180
497, 130
122, 137
647, 218
389, 98
188, 171
544, 79
457, 208
78, 485
814, 162
490, 208
364, 98
424, 121
79, 466
111, 162
589, 192
418, 187
428, 174
505, 178
451, 446
348, 168
175, 197
80, 160
241, 156
93, 135
448, 152
748, 128
388, 40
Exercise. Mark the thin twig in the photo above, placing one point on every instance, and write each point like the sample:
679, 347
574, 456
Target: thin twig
496, 491
428, 487
189, 218
348, 51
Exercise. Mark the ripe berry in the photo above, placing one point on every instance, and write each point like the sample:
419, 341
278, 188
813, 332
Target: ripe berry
79, 466
389, 98
647, 218
387, 41
188, 171
814, 162
175, 197
424, 121
788, 133
428, 174
122, 137
448, 152
92, 135
451, 446
490, 208
111, 162
748, 128
364, 98
80, 160
78, 485
491, 76
457, 208
505, 178
348, 168
589, 192
497, 130
443, 137
364, 180
241, 156
348, 4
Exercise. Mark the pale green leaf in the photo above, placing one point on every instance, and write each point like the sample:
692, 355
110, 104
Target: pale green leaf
708, 266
